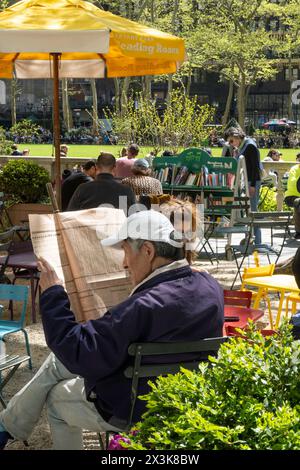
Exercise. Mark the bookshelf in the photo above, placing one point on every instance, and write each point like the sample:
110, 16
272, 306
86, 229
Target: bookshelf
212, 181
198, 175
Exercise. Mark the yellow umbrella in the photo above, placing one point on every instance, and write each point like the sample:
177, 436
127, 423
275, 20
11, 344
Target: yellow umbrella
73, 38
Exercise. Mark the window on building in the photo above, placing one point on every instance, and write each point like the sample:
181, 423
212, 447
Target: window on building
196, 76
202, 76
251, 102
294, 73
286, 74
261, 102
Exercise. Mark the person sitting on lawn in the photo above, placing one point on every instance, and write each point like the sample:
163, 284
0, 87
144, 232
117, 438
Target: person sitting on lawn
64, 150
15, 150
82, 382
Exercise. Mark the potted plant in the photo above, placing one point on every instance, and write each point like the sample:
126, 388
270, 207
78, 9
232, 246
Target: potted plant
24, 186
246, 399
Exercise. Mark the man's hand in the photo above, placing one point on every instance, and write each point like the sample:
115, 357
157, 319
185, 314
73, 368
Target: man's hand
252, 191
48, 277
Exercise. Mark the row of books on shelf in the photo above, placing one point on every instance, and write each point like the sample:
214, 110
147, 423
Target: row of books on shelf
210, 202
182, 176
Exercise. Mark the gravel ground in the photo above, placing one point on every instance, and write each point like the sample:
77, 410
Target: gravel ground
40, 438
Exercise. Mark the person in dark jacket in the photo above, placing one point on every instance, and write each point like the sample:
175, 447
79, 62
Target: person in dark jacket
75, 179
82, 383
103, 190
15, 150
247, 147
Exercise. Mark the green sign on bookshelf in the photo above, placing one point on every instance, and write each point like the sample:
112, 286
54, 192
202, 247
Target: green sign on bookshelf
194, 168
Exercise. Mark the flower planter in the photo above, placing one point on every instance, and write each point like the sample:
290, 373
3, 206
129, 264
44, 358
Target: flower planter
18, 213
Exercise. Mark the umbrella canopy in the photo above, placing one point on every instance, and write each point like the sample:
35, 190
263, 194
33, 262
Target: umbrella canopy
73, 38
279, 122
93, 43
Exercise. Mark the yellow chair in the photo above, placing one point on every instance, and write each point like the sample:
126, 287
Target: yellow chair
259, 271
256, 258
294, 298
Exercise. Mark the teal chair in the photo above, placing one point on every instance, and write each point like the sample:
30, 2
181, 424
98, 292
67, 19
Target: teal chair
12, 293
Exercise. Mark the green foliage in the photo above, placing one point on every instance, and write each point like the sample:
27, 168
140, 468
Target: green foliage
25, 129
5, 145
247, 399
262, 133
24, 181
234, 43
181, 125
268, 200
4, 4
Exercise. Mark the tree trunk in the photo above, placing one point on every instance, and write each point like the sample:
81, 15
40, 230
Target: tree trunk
189, 80
175, 15
225, 117
117, 95
173, 30
124, 92
147, 87
67, 114
13, 101
152, 11
241, 103
170, 88
95, 106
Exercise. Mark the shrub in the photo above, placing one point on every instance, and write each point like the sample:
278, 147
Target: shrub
248, 398
268, 200
184, 122
25, 130
5, 145
24, 181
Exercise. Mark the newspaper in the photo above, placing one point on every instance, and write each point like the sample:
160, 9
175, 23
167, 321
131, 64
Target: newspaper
93, 276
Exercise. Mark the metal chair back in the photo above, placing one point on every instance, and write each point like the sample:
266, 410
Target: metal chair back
6, 239
168, 350
13, 293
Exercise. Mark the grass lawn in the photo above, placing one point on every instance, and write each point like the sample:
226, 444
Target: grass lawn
288, 155
92, 151
78, 151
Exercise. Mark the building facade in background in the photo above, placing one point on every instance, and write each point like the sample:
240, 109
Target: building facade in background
266, 100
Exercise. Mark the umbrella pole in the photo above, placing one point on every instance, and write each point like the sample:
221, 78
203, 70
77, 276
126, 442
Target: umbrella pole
56, 126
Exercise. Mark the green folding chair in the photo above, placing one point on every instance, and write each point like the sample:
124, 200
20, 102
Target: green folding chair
168, 364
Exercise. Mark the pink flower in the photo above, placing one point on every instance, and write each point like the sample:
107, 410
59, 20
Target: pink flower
114, 443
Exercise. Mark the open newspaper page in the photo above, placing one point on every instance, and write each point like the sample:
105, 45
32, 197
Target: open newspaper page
70, 241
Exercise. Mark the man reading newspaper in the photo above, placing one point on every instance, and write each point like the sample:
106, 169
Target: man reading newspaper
82, 382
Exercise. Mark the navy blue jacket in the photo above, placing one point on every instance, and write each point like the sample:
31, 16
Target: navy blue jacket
252, 158
177, 305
